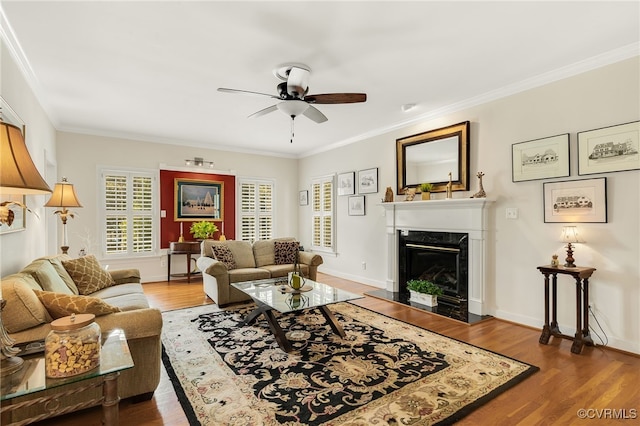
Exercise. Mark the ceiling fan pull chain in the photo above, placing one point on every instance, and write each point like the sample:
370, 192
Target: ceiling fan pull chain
293, 117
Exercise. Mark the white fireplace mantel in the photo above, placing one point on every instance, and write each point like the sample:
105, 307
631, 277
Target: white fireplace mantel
466, 215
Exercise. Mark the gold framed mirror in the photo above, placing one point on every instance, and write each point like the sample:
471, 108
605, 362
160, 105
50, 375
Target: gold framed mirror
431, 156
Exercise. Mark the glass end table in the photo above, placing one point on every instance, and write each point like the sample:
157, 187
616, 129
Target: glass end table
31, 378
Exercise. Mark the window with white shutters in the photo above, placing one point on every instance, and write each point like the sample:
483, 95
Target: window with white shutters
256, 209
129, 223
322, 202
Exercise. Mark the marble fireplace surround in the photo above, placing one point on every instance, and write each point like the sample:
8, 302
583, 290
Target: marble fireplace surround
467, 215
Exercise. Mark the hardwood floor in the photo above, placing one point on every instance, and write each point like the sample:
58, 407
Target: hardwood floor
599, 379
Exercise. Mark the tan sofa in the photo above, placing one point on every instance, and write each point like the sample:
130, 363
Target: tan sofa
253, 262
26, 319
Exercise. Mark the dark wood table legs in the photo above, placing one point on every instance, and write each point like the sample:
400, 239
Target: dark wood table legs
277, 331
581, 275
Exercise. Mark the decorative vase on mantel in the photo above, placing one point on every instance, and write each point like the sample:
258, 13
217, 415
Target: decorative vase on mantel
426, 195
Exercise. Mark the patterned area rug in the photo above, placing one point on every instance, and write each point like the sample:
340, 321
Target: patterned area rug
385, 372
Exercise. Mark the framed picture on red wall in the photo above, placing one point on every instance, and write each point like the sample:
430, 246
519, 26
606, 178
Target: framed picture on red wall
198, 200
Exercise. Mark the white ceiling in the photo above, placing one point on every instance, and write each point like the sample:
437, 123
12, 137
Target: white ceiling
150, 70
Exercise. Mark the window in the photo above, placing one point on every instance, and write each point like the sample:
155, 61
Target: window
128, 213
256, 209
322, 201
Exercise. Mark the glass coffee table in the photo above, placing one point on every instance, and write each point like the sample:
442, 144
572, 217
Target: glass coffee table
275, 294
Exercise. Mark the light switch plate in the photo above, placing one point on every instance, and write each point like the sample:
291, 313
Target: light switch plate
512, 213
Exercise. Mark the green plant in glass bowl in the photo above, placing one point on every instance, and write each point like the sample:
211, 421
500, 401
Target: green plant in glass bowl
203, 229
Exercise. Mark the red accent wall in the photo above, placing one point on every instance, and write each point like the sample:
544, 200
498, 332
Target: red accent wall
170, 229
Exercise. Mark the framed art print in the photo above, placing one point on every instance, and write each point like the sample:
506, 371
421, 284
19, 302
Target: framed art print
303, 198
18, 223
576, 201
346, 183
198, 200
368, 181
610, 149
540, 158
356, 205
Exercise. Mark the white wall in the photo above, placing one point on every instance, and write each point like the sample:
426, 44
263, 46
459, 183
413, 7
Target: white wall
19, 248
599, 98
80, 156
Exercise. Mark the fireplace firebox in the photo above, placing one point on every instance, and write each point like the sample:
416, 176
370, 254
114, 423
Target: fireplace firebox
439, 257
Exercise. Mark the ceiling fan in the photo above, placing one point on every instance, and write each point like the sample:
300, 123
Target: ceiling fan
292, 94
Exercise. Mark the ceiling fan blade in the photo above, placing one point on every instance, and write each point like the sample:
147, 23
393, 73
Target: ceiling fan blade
264, 111
336, 98
314, 114
245, 92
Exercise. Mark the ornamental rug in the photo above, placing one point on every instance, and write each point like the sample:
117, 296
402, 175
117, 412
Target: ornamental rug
386, 372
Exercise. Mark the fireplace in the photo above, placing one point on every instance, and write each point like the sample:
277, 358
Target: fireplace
439, 257
445, 240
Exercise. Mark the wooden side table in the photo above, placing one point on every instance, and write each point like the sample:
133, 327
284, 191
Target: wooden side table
187, 247
581, 276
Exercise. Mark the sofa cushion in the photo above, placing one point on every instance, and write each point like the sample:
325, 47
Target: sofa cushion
46, 275
224, 255
23, 309
128, 302
264, 251
61, 305
119, 290
242, 253
88, 275
248, 274
56, 261
278, 271
286, 252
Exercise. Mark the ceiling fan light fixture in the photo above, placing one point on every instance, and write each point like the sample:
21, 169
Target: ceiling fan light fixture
293, 108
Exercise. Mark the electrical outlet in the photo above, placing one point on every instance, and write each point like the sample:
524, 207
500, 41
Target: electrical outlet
364, 265
511, 213
163, 262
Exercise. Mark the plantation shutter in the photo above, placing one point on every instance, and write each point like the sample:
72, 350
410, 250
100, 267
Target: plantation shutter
256, 210
322, 226
128, 218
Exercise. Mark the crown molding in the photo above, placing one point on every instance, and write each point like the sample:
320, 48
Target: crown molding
613, 56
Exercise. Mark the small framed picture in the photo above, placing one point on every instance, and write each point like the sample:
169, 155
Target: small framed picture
582, 200
303, 198
610, 149
356, 205
18, 222
368, 181
540, 158
347, 183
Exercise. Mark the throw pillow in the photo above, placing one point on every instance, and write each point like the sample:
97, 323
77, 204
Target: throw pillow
23, 309
61, 305
286, 252
88, 275
224, 255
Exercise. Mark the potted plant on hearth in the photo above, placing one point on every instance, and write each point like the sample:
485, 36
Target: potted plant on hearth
426, 188
203, 229
424, 292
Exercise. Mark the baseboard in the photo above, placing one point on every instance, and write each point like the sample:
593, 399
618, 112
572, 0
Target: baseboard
357, 278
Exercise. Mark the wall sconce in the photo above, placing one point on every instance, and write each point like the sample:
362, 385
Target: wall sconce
18, 175
199, 162
64, 195
570, 236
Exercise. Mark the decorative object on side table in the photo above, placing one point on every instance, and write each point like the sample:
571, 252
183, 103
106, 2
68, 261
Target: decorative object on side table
480, 193
424, 292
554, 261
425, 189
64, 195
72, 346
570, 236
203, 229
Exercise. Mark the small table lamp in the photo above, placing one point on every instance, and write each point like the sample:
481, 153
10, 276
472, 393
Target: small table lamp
569, 236
64, 195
